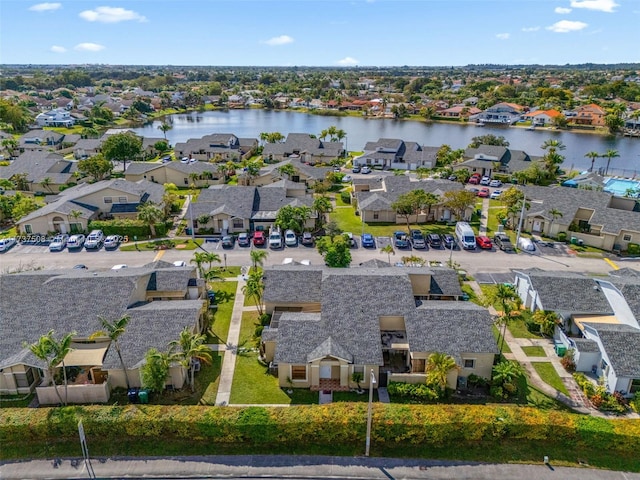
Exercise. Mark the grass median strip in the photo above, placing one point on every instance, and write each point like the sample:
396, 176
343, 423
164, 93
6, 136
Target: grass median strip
534, 351
549, 376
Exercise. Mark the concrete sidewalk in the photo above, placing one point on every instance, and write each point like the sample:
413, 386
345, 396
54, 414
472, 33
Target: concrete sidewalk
292, 467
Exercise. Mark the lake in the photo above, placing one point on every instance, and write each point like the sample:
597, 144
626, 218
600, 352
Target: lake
250, 123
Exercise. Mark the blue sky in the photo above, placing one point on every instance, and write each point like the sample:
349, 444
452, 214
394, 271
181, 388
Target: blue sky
319, 33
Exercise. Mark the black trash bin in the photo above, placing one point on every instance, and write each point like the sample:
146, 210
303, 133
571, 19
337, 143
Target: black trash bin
132, 393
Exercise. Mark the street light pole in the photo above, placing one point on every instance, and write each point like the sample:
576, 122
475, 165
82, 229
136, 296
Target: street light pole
524, 202
191, 219
372, 381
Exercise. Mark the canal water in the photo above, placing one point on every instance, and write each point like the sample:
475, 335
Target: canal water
251, 122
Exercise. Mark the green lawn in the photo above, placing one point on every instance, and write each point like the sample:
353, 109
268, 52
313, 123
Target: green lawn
349, 222
529, 395
225, 295
498, 337
550, 376
518, 329
253, 384
16, 401
247, 328
534, 351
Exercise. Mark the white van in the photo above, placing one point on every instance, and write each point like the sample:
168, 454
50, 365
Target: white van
466, 237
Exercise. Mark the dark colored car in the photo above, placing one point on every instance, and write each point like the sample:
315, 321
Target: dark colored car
307, 238
448, 241
259, 238
503, 242
356, 169
417, 239
434, 240
244, 240
367, 241
401, 240
228, 241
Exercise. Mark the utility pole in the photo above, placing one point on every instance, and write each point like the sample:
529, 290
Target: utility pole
524, 202
372, 381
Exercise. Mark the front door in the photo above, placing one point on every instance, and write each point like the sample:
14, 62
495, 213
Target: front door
537, 226
325, 371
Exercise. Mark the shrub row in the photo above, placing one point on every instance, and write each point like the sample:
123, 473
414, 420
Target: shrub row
127, 227
414, 391
340, 423
599, 396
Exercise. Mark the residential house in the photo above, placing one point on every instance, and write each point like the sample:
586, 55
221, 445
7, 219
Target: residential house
87, 147
303, 173
541, 118
218, 146
304, 147
159, 299
501, 113
180, 174
598, 321
591, 115
234, 209
596, 218
374, 199
490, 159
45, 172
459, 111
321, 332
58, 117
43, 140
72, 209
394, 153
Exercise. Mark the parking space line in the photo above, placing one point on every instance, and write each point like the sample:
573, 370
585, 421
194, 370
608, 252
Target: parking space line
613, 265
159, 255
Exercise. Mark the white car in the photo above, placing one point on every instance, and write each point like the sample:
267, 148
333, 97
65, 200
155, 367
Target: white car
290, 238
275, 239
75, 242
365, 169
495, 195
179, 263
184, 160
120, 266
111, 242
346, 179
6, 243
495, 183
58, 243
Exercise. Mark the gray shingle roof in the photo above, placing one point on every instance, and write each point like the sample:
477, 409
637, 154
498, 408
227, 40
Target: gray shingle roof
622, 344
284, 284
586, 345
303, 142
444, 281
39, 165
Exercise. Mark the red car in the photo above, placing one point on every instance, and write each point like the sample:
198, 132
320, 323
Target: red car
258, 238
474, 180
484, 242
484, 192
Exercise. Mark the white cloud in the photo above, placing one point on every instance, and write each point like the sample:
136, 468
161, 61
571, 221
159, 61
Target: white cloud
530, 29
562, 10
89, 47
566, 26
111, 15
503, 36
57, 49
600, 5
45, 7
276, 41
347, 62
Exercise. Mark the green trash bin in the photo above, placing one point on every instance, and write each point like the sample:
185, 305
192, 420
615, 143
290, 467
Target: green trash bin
143, 396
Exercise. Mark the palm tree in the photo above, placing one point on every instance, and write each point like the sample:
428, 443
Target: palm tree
150, 214
75, 214
258, 257
192, 347
388, 249
211, 257
165, 127
592, 156
254, 289
555, 214
46, 183
438, 367
504, 294
506, 372
322, 206
113, 330
547, 320
287, 169
199, 258
609, 155
53, 353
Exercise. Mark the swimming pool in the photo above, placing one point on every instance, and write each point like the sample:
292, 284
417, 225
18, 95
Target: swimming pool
620, 186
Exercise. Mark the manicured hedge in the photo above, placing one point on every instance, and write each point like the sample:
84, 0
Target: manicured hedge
335, 424
128, 228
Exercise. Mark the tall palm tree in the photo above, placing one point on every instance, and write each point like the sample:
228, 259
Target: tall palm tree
113, 330
165, 127
506, 295
592, 156
150, 214
258, 257
322, 206
555, 214
438, 367
192, 347
46, 183
75, 214
609, 155
198, 259
211, 257
547, 320
254, 289
53, 353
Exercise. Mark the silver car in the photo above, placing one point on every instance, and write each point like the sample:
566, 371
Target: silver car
58, 243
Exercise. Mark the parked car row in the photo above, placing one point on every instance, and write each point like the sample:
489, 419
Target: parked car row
275, 239
478, 179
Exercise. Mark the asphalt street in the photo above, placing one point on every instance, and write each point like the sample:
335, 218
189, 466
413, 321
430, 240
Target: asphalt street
494, 261
297, 467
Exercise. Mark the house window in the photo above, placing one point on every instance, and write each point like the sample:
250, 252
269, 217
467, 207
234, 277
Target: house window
28, 229
626, 237
122, 199
358, 369
108, 200
376, 215
469, 363
186, 181
238, 223
635, 386
299, 373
